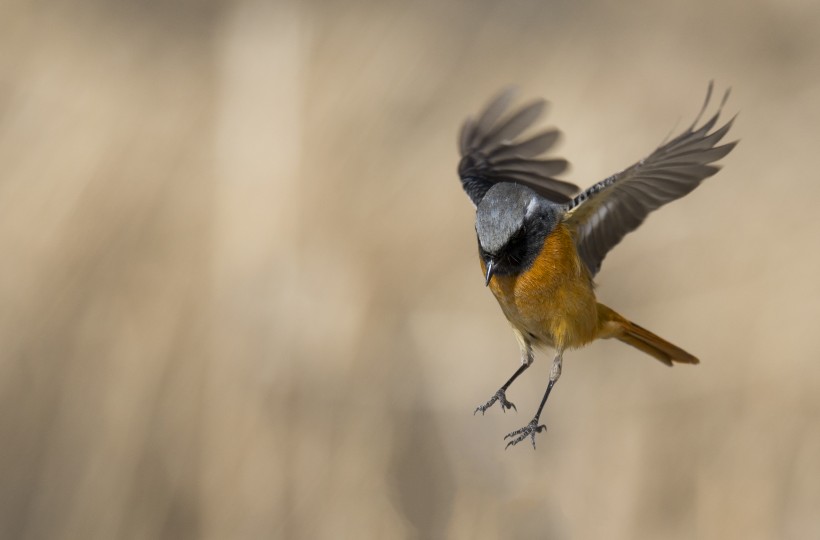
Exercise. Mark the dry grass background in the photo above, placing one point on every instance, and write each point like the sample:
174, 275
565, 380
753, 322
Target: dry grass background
240, 296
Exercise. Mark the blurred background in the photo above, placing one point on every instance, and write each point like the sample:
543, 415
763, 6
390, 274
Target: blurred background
240, 295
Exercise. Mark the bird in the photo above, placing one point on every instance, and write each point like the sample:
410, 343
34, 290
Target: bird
541, 240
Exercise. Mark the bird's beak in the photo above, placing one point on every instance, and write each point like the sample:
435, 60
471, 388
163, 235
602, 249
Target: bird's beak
490, 266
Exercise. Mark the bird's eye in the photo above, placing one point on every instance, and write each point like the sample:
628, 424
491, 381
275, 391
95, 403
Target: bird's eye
515, 249
518, 238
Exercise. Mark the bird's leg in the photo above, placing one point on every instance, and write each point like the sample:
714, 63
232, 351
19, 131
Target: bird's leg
532, 428
500, 396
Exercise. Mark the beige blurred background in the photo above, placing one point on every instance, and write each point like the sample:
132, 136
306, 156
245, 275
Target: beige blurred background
240, 295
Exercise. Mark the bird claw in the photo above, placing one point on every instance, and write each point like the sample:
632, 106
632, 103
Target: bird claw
501, 398
527, 431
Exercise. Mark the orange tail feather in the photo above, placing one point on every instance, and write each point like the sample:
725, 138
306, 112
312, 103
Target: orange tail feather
616, 326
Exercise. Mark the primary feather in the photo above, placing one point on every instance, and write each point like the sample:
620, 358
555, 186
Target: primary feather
603, 214
491, 153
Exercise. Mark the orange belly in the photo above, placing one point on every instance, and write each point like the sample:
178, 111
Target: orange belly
553, 302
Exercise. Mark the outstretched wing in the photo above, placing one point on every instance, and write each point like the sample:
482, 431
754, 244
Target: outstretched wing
603, 214
490, 152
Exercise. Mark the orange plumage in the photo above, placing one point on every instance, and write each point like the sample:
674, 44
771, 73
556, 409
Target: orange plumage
553, 304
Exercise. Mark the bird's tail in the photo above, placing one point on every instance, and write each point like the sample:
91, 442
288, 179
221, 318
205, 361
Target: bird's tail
613, 325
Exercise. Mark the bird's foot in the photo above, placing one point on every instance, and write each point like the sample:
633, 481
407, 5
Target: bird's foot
527, 431
499, 397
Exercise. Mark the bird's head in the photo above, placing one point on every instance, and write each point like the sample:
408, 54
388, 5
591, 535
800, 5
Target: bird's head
511, 223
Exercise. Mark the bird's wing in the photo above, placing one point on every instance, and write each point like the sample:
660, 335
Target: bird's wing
491, 153
603, 214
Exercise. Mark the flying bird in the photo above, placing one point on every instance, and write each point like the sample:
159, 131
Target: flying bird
542, 240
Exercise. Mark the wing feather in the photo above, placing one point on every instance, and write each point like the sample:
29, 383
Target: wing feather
530, 148
490, 152
603, 214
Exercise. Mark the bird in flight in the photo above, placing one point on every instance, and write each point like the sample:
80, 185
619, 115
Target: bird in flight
541, 240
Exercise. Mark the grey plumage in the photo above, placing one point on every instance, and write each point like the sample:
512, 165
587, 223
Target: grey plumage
500, 215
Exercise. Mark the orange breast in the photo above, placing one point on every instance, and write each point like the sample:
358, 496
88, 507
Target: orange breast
552, 303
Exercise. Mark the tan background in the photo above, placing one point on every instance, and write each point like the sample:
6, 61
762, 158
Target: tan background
240, 296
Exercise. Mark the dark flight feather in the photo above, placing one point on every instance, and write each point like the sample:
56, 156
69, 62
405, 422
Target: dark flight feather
603, 214
490, 152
